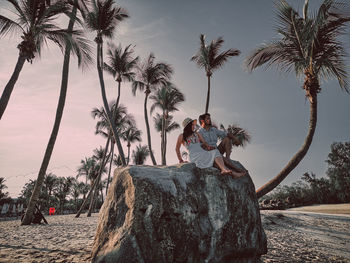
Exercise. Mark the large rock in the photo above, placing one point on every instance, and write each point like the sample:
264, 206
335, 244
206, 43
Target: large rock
179, 214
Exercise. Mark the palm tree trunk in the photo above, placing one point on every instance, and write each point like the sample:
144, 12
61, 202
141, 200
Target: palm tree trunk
59, 113
163, 139
129, 145
5, 97
105, 103
165, 143
118, 98
90, 191
86, 199
269, 186
208, 96
148, 130
110, 167
103, 163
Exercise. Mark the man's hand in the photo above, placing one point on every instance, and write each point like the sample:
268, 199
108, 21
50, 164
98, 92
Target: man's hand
208, 147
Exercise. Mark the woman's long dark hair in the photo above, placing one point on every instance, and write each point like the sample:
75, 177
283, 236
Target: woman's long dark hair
187, 131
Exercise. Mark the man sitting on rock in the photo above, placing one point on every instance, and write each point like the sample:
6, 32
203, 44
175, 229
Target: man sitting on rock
211, 135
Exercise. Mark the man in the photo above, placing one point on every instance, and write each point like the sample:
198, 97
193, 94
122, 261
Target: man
211, 135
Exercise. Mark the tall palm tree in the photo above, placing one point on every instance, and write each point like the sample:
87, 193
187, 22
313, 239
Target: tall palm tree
36, 22
209, 58
83, 56
103, 18
140, 155
164, 127
166, 99
121, 64
151, 75
311, 46
131, 135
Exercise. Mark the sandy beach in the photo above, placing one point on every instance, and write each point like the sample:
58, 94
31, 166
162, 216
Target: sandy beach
293, 236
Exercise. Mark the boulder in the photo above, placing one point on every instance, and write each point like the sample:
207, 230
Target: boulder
178, 213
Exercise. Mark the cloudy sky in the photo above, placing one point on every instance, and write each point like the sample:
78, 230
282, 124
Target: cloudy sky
271, 105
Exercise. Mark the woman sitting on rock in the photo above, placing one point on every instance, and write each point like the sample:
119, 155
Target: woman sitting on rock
202, 158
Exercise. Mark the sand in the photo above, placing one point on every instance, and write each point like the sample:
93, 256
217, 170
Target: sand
292, 237
325, 209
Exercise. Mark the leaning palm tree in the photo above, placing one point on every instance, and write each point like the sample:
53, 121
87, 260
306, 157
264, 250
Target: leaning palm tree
36, 22
164, 127
103, 18
209, 58
140, 155
151, 75
166, 99
121, 65
81, 48
310, 44
131, 135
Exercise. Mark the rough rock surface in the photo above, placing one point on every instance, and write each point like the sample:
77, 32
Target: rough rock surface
179, 214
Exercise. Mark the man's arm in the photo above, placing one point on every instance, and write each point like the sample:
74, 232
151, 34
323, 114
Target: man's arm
220, 133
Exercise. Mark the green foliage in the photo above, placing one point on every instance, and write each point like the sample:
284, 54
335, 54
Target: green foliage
313, 190
3, 194
339, 170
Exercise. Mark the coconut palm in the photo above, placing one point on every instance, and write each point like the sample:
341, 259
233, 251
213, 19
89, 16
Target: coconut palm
310, 44
121, 64
166, 99
131, 135
209, 58
140, 155
122, 120
36, 22
101, 159
97, 168
102, 18
151, 75
164, 126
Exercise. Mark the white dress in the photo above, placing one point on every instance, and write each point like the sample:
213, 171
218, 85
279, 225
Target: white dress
199, 156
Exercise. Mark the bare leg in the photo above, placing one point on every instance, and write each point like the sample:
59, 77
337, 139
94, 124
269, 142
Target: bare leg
220, 163
225, 147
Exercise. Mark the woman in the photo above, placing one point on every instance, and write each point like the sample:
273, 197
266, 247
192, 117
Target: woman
203, 159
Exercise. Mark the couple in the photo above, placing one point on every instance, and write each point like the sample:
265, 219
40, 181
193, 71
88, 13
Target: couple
202, 146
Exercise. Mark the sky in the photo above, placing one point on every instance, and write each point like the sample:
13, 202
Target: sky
269, 104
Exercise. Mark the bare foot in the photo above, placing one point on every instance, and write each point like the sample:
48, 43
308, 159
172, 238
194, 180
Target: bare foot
238, 175
228, 172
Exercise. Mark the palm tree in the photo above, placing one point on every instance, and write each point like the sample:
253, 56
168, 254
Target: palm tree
164, 127
121, 65
103, 18
82, 49
122, 120
151, 75
167, 99
310, 45
209, 58
131, 135
35, 19
140, 154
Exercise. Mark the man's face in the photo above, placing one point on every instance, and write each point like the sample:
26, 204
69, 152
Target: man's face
207, 120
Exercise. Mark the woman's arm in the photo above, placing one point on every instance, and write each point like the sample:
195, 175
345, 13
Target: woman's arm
177, 148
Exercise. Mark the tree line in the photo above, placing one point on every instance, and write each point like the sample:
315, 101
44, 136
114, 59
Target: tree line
331, 189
